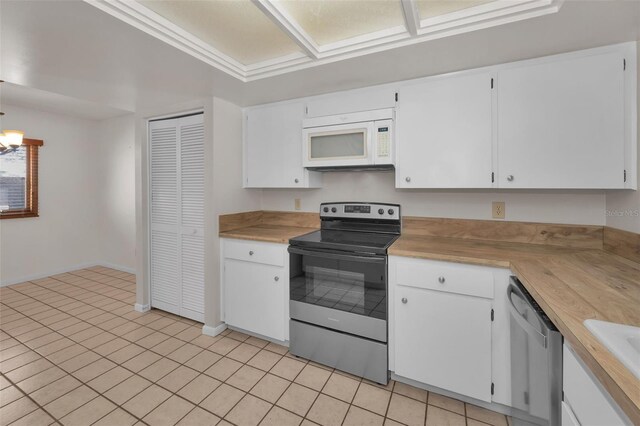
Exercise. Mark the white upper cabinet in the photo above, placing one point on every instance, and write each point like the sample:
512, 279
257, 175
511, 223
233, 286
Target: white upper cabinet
349, 101
273, 147
444, 132
561, 122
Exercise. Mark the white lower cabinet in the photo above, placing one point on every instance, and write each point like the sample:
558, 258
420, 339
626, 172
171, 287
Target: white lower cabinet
586, 403
255, 287
441, 325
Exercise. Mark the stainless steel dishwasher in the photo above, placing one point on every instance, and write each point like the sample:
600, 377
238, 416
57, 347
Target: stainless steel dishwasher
536, 361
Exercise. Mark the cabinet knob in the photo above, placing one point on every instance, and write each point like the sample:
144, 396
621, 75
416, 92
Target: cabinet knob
441, 280
296, 180
276, 278
250, 252
510, 178
408, 179
404, 300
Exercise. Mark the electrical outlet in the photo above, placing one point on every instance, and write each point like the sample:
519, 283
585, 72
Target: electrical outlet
497, 209
296, 203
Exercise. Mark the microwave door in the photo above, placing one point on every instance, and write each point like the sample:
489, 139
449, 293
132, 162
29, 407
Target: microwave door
339, 145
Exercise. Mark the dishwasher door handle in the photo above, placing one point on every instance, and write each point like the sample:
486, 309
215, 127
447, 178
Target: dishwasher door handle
520, 319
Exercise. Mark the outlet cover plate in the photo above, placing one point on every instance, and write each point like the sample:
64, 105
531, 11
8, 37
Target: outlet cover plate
497, 209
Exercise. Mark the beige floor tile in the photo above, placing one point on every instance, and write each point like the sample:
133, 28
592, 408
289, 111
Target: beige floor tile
111, 346
169, 412
328, 411
203, 360
236, 335
125, 354
69, 402
313, 377
89, 413
43, 339
438, 417
65, 354
188, 334
141, 361
184, 353
358, 417
372, 398
222, 400
127, 389
224, 346
144, 402
204, 341
16, 410
341, 387
41, 379
270, 388
199, 417
199, 388
249, 411
264, 360
98, 340
280, 417
159, 369
297, 399
389, 422
117, 417
19, 361
223, 369
244, 352
410, 391
279, 349
55, 389
35, 418
406, 410
486, 416
152, 340
174, 329
177, 378
166, 347
10, 394
255, 341
31, 369
446, 403
93, 370
287, 368
109, 379
245, 378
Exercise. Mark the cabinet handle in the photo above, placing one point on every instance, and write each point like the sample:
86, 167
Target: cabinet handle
441, 280
510, 178
296, 180
408, 179
250, 252
276, 278
404, 300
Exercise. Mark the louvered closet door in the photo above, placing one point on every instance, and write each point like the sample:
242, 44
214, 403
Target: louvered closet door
177, 216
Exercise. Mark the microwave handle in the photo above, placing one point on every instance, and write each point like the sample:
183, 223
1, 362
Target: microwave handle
337, 256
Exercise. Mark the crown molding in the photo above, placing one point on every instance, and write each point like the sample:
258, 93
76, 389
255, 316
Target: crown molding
413, 31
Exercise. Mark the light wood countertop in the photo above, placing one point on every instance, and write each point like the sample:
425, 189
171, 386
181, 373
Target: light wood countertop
268, 233
570, 284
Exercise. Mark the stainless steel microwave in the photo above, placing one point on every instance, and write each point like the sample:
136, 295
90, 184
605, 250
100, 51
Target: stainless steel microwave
358, 139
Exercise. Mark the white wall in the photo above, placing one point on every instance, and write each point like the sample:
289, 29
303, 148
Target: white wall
585, 207
623, 207
65, 236
116, 192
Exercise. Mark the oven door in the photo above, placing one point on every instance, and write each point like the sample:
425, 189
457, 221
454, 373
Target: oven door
340, 291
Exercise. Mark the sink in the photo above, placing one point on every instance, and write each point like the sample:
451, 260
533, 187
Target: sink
623, 341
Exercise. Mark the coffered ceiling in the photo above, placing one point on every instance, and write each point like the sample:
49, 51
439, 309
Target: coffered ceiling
255, 39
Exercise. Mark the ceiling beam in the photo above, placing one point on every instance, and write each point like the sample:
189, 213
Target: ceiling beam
411, 16
289, 26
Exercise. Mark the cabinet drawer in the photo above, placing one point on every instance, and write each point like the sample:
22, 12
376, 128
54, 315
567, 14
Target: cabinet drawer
443, 276
255, 251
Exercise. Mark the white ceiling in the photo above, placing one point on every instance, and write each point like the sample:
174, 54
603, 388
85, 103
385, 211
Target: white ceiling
76, 50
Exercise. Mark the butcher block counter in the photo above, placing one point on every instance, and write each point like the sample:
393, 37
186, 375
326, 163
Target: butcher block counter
564, 267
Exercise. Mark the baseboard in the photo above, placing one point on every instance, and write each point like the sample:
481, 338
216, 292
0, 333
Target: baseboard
4, 283
213, 331
141, 308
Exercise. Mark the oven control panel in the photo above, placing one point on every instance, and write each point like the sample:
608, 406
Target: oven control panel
373, 211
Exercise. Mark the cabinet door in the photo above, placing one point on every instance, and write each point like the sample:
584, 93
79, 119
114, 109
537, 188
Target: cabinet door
444, 133
254, 297
273, 138
444, 340
561, 123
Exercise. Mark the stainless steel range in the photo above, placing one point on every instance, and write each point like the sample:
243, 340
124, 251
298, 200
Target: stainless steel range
338, 288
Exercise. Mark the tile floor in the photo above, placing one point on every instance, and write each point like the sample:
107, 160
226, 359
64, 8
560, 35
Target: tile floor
74, 352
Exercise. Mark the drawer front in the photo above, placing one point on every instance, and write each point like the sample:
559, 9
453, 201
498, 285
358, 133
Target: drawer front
448, 277
255, 251
591, 405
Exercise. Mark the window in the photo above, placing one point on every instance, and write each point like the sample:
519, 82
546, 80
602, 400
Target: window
19, 181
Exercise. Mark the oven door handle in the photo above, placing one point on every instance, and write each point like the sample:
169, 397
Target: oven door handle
540, 338
337, 256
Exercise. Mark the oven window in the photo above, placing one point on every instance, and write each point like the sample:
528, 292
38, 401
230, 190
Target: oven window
350, 286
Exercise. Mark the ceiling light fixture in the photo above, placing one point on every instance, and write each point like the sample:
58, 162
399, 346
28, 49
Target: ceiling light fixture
10, 140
